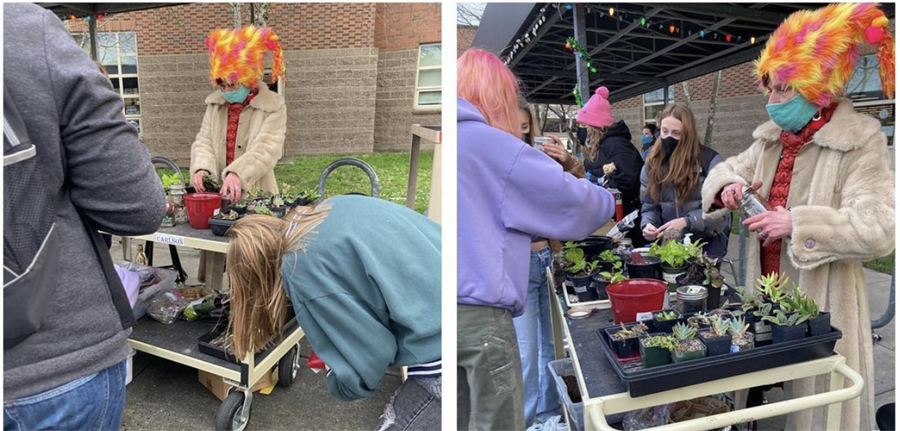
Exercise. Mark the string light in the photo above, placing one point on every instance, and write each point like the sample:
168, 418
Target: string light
702, 33
72, 17
643, 21
752, 40
612, 11
728, 38
671, 29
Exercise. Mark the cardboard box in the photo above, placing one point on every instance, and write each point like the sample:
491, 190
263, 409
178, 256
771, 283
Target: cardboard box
219, 388
606, 228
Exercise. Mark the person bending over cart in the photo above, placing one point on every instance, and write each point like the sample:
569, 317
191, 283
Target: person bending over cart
364, 277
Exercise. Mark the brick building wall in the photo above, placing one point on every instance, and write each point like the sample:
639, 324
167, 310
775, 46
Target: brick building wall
400, 29
332, 60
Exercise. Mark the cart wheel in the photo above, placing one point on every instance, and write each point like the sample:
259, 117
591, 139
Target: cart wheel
229, 416
288, 367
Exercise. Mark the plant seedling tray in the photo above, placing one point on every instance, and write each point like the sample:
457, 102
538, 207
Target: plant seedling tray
204, 343
645, 381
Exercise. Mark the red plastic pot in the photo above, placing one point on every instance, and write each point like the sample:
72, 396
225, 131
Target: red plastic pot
200, 207
630, 297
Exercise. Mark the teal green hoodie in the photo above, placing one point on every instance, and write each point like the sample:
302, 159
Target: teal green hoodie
367, 291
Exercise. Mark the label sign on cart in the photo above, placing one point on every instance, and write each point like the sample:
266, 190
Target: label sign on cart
169, 239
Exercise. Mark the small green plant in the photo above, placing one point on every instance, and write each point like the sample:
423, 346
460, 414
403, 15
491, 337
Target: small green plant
737, 328
801, 303
278, 201
666, 316
574, 255
635, 331
763, 310
262, 209
311, 194
701, 318
287, 192
719, 326
714, 277
614, 276
168, 180
240, 205
211, 183
609, 256
684, 332
772, 286
230, 215
673, 253
661, 341
783, 319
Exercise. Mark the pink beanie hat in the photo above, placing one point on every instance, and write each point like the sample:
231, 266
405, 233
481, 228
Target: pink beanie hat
597, 112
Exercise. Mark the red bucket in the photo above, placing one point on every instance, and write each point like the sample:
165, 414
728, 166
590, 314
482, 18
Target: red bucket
640, 295
200, 207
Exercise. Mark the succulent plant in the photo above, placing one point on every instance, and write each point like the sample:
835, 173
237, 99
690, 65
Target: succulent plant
666, 316
230, 215
800, 303
663, 341
737, 328
633, 332
684, 332
720, 326
783, 319
772, 286
262, 209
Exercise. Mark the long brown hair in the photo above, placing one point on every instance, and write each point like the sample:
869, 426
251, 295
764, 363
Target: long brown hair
595, 136
681, 169
258, 299
532, 118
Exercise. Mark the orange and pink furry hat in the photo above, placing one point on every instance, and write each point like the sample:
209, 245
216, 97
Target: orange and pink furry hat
815, 51
237, 55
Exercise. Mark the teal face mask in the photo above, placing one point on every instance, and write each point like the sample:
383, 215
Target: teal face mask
792, 115
237, 96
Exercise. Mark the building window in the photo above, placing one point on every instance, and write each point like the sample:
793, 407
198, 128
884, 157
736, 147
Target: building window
117, 52
653, 103
428, 78
864, 89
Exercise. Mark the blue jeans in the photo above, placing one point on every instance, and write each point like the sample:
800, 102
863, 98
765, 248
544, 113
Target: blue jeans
535, 337
93, 402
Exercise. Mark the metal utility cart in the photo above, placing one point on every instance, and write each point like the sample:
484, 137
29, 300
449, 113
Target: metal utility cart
178, 342
604, 395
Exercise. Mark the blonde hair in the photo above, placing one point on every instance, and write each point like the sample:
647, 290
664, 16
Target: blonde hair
595, 136
257, 244
532, 118
485, 82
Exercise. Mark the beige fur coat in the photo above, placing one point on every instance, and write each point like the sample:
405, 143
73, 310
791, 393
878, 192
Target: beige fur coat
260, 139
842, 210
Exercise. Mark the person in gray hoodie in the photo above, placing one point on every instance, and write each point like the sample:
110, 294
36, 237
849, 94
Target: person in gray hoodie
71, 373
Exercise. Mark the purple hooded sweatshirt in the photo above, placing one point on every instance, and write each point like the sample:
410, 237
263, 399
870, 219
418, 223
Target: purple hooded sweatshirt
507, 192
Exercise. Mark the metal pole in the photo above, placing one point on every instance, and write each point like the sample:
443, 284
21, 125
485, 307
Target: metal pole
92, 27
581, 69
742, 256
666, 94
252, 15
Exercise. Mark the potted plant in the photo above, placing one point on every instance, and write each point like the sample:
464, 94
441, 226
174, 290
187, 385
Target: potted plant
699, 321
168, 180
656, 348
239, 207
579, 272
741, 339
211, 183
819, 322
608, 260
626, 339
604, 278
772, 287
674, 257
640, 266
221, 222
664, 320
307, 197
714, 281
277, 206
787, 327
262, 209
687, 347
762, 328
716, 338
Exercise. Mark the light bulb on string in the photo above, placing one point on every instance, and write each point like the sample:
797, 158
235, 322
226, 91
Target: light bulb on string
671, 29
702, 33
72, 17
568, 7
728, 38
643, 21
752, 40
612, 11
593, 70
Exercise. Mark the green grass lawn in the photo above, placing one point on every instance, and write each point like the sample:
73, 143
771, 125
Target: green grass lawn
884, 265
392, 170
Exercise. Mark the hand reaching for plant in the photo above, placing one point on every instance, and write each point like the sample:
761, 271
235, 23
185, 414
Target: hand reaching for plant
650, 232
771, 225
733, 194
232, 187
674, 226
197, 180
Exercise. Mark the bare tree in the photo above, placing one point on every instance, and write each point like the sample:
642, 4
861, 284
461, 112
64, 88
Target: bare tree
687, 93
713, 100
236, 9
469, 14
260, 14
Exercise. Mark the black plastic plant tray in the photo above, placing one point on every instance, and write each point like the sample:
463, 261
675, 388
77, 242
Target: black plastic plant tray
204, 345
643, 381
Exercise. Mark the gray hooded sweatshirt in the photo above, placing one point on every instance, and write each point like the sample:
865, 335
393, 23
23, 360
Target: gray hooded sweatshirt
75, 120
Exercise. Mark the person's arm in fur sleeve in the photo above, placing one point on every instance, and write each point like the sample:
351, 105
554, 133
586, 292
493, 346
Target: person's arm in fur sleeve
738, 169
863, 227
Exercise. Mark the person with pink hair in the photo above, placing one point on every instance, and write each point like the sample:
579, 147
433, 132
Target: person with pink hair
507, 192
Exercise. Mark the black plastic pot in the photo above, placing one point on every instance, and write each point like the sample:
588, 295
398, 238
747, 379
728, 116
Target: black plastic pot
599, 286
277, 211
783, 334
669, 274
582, 287
594, 245
820, 325
647, 270
606, 266
716, 346
713, 298
302, 202
655, 356
219, 226
678, 357
667, 325
238, 210
628, 348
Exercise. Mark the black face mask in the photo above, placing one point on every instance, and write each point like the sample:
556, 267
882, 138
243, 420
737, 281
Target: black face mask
669, 145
